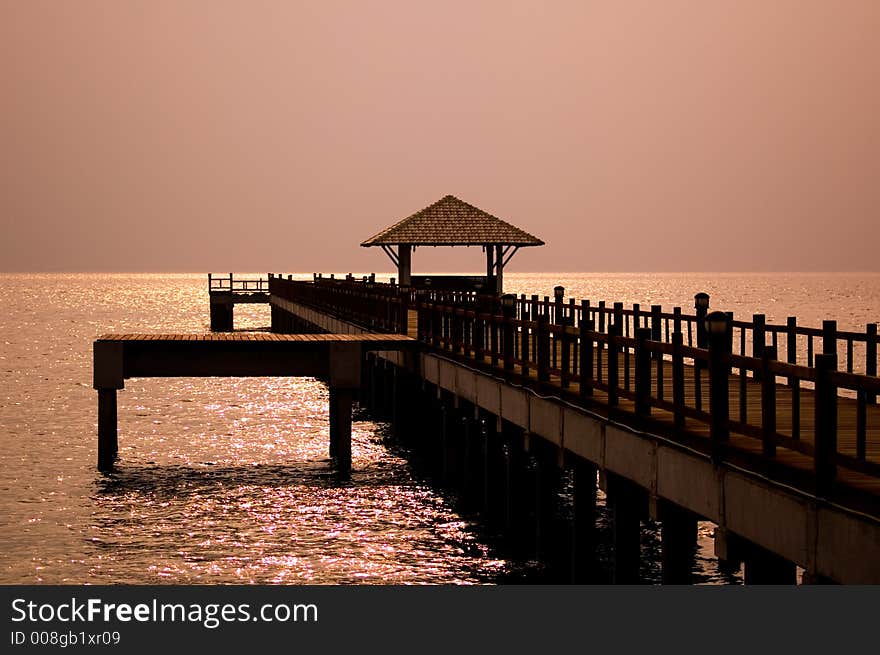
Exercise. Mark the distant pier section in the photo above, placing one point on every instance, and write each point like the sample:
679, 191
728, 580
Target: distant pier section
226, 291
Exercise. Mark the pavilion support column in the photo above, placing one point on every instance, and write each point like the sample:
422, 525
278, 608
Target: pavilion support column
490, 268
499, 269
404, 265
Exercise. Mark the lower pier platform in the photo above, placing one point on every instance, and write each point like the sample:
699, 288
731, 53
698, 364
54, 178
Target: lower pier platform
336, 357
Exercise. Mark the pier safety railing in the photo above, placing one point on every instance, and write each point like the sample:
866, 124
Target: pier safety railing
229, 284
778, 387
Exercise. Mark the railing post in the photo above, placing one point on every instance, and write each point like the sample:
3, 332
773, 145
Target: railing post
565, 354
759, 334
701, 307
403, 318
479, 329
614, 329
656, 324
871, 357
543, 348
825, 452
494, 346
455, 328
436, 325
524, 343
643, 372
508, 309
676, 321
601, 318
558, 304
678, 400
585, 366
829, 337
768, 403
717, 327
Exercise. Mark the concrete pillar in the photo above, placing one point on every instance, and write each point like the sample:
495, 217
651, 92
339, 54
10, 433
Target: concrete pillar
221, 315
108, 445
108, 376
404, 265
547, 482
340, 428
678, 543
583, 528
345, 376
761, 567
627, 508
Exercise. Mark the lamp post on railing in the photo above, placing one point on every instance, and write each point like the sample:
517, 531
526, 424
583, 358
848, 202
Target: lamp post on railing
558, 298
717, 327
701, 305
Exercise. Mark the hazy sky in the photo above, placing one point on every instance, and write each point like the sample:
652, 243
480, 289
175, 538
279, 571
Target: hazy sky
255, 135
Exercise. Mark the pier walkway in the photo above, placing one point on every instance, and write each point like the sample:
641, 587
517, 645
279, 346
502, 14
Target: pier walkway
334, 357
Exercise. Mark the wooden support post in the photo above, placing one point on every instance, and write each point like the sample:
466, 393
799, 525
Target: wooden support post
719, 371
678, 543
871, 357
701, 307
643, 373
525, 339
826, 424
565, 353
759, 338
585, 366
678, 399
508, 310
829, 337
613, 374
108, 445
768, 403
583, 548
656, 324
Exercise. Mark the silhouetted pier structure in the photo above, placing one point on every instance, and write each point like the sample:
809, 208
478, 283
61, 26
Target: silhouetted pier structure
686, 416
225, 292
772, 432
334, 357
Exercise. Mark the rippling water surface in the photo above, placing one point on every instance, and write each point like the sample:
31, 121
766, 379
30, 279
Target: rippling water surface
227, 480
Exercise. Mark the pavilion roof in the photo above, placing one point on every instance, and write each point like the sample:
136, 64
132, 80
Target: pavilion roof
452, 222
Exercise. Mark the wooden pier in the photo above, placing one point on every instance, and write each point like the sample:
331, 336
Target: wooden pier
701, 383
771, 432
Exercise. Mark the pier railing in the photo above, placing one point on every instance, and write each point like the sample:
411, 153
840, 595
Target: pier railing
768, 392
227, 283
